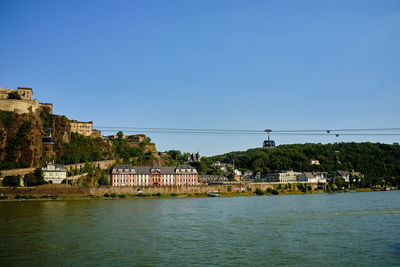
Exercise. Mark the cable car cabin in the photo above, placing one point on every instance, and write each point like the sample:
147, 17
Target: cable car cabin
269, 144
48, 140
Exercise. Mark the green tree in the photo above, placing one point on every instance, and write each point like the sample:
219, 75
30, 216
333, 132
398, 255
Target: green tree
14, 95
103, 181
259, 191
39, 173
339, 181
12, 180
35, 178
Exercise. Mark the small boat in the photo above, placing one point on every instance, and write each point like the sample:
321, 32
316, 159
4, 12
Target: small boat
213, 194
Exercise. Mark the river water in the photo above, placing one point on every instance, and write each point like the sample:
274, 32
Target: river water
360, 229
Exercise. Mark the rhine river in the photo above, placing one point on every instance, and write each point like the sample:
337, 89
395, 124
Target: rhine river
361, 229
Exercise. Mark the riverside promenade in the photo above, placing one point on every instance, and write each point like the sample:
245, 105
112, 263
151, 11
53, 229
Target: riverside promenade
62, 189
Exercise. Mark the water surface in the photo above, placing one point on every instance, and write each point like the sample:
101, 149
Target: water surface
315, 229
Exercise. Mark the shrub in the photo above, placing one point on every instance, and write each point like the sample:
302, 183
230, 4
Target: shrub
12, 180
309, 188
44, 196
279, 187
299, 186
269, 190
249, 189
275, 192
107, 195
114, 195
259, 191
158, 194
93, 196
229, 188
25, 197
14, 95
122, 196
175, 194
3, 197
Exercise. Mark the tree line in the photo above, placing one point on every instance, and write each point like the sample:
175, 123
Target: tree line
375, 160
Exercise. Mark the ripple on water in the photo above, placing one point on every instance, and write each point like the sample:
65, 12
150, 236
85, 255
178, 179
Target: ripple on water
323, 229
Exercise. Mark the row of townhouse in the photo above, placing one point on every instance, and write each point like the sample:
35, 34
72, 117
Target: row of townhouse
126, 175
292, 177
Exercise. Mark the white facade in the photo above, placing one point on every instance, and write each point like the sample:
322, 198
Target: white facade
314, 177
54, 173
283, 177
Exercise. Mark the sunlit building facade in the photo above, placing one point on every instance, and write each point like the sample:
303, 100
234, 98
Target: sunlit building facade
126, 175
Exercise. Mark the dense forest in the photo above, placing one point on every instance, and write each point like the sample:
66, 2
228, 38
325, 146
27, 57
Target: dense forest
371, 159
374, 160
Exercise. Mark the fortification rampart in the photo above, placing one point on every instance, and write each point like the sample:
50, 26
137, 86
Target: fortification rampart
21, 106
103, 164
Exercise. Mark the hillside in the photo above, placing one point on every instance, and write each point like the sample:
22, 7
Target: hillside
21, 138
372, 159
21, 143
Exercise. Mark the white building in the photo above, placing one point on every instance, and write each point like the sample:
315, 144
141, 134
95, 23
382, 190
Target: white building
347, 175
314, 177
283, 177
54, 173
236, 172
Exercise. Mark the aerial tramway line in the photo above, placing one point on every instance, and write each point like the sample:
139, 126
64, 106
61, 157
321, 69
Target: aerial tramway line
269, 143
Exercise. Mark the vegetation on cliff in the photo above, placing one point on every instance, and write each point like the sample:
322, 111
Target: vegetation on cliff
14, 95
21, 144
82, 148
17, 140
374, 160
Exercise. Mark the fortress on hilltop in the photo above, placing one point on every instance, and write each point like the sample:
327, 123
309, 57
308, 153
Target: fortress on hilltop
24, 105
21, 101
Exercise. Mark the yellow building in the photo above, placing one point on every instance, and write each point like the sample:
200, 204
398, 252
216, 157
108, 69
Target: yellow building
25, 93
82, 127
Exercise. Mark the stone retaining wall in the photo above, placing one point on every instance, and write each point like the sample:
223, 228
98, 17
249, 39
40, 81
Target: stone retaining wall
103, 164
183, 189
62, 189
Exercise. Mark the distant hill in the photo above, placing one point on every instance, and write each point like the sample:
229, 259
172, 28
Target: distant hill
372, 159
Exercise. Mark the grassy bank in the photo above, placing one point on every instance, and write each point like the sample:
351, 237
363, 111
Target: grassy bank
114, 196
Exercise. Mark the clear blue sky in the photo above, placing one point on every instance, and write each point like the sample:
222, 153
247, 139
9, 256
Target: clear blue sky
209, 64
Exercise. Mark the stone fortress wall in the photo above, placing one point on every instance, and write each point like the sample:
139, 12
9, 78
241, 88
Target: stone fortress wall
25, 105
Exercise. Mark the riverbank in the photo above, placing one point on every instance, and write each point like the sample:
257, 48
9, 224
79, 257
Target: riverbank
56, 193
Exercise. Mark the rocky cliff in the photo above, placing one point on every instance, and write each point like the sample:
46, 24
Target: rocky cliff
21, 143
21, 138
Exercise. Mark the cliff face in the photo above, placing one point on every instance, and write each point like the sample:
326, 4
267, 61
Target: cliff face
21, 138
21, 143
